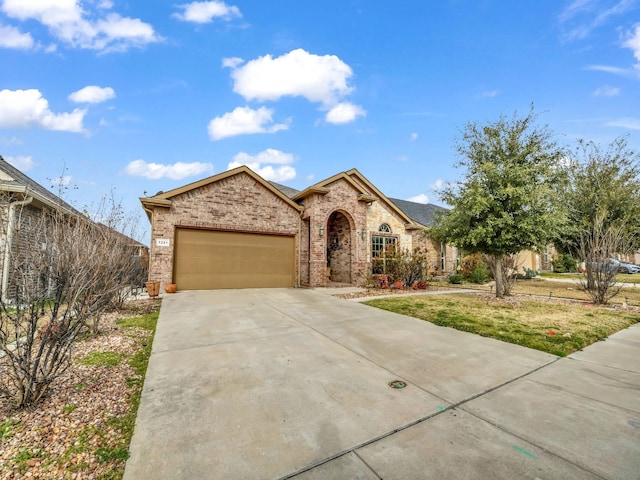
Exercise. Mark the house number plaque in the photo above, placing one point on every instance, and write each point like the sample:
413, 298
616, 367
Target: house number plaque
162, 242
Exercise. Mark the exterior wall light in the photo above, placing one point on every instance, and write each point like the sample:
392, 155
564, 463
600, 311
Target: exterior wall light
321, 231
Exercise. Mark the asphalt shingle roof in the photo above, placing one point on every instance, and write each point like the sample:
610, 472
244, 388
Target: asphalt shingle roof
421, 213
288, 191
20, 179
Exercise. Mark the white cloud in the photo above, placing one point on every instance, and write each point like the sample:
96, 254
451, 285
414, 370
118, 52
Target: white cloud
76, 25
231, 62
606, 91
27, 108
244, 120
260, 164
205, 12
11, 37
344, 112
421, 198
22, 163
628, 123
322, 79
580, 17
488, 94
609, 69
633, 42
92, 94
62, 181
437, 185
414, 137
177, 171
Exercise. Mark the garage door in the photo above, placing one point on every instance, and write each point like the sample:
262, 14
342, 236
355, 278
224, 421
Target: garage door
207, 260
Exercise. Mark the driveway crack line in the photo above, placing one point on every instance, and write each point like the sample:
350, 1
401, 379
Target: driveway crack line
452, 406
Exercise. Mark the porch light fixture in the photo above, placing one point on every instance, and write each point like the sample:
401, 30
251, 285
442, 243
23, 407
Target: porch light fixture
363, 234
321, 231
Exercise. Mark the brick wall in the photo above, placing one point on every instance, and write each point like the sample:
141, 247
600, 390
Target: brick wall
236, 203
343, 198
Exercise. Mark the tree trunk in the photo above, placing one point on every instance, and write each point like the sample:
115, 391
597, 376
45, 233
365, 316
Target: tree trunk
498, 276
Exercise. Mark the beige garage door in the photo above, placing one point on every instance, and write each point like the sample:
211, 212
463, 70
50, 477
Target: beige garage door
207, 260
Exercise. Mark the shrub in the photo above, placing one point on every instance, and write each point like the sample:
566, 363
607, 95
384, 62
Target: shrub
398, 285
382, 281
456, 279
402, 265
480, 273
565, 264
420, 285
469, 264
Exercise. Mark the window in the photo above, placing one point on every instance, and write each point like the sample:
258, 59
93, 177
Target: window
381, 248
384, 228
380, 245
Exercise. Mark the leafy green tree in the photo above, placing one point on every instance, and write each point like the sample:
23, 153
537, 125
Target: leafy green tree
604, 187
603, 199
506, 201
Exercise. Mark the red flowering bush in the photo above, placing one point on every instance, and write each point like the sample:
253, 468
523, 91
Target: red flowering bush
398, 285
383, 280
420, 285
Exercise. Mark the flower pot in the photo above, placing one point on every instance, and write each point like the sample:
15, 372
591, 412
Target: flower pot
153, 288
171, 288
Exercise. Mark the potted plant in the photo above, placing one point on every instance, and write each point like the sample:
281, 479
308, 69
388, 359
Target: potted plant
153, 288
171, 288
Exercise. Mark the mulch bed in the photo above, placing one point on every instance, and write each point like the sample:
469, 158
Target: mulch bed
59, 436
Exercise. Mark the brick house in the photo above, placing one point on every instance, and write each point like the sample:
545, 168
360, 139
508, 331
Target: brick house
237, 230
22, 202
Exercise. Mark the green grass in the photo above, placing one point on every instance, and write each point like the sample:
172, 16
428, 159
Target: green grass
8, 427
554, 328
107, 359
118, 449
621, 277
544, 288
109, 448
69, 408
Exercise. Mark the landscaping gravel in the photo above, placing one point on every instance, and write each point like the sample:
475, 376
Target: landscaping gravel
74, 432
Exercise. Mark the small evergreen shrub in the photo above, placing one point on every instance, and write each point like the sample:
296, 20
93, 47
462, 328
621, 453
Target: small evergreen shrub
480, 273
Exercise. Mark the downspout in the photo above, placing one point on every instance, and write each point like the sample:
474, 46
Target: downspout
9, 245
150, 212
299, 266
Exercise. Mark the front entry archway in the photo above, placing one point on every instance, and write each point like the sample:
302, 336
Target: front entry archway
339, 248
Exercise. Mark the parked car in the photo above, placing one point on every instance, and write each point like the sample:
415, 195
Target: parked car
610, 265
627, 267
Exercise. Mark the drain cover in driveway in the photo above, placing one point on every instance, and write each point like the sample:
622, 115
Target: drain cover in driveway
397, 384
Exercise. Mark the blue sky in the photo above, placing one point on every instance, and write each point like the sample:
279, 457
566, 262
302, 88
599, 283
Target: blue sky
136, 97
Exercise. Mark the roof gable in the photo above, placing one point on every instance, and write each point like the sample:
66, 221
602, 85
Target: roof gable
163, 199
371, 187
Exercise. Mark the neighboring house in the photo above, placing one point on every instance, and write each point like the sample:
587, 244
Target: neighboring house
237, 230
139, 254
21, 203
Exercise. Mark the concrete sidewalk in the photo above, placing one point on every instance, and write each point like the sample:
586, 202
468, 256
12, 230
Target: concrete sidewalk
293, 383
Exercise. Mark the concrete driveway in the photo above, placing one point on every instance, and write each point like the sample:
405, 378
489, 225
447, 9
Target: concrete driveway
294, 383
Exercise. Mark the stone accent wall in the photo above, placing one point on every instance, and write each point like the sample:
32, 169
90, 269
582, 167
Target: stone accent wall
377, 214
237, 203
339, 252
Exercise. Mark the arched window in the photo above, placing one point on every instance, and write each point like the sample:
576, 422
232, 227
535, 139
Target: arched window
384, 228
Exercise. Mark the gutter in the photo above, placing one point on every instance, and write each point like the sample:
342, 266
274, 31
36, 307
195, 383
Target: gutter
9, 244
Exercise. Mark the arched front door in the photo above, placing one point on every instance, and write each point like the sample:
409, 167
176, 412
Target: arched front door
339, 246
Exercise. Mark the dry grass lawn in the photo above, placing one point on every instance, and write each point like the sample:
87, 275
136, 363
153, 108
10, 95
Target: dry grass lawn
554, 326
